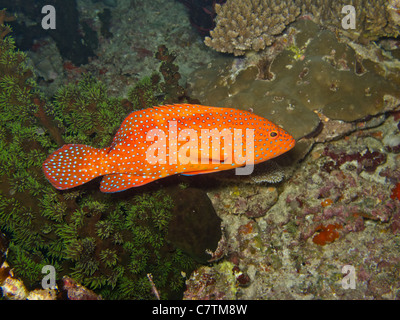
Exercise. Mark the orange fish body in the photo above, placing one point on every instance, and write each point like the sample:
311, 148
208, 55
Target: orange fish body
161, 141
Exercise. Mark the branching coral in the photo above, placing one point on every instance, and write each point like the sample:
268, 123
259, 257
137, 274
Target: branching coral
250, 25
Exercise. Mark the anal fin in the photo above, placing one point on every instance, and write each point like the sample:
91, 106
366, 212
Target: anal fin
193, 173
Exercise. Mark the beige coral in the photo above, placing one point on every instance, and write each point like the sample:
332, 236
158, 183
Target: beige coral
250, 25
374, 19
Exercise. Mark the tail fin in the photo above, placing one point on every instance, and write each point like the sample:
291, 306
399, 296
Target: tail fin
73, 165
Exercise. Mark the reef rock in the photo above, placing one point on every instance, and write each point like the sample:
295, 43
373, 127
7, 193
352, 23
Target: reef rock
313, 73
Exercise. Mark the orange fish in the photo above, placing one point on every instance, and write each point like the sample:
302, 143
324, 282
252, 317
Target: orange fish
165, 140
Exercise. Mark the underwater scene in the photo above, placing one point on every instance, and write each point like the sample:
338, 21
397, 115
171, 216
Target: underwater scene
200, 150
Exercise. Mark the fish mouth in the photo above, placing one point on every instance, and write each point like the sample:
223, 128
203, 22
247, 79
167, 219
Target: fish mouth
284, 148
292, 143
286, 140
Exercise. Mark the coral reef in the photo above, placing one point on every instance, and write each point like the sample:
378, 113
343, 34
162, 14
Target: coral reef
251, 200
137, 31
218, 283
250, 25
76, 291
319, 223
309, 73
373, 19
151, 91
107, 243
13, 288
173, 91
366, 161
340, 206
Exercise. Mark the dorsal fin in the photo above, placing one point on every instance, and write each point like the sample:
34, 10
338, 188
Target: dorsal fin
162, 112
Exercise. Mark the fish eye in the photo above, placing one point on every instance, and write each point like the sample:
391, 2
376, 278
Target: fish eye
273, 134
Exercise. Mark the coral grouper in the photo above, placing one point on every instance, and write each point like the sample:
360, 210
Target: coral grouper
157, 142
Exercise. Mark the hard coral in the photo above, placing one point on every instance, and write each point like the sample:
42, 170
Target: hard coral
250, 25
326, 79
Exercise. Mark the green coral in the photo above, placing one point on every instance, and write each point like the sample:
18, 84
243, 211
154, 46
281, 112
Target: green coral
109, 257
107, 243
86, 114
142, 95
104, 229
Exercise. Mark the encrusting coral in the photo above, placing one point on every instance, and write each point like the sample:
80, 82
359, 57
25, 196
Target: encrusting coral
250, 25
